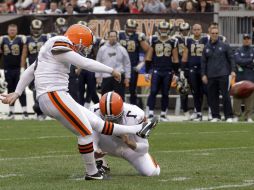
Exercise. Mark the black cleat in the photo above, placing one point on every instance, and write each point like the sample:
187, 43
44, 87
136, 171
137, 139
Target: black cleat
98, 176
147, 127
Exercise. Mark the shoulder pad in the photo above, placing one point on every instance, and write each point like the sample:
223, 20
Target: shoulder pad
61, 45
1, 40
141, 36
23, 38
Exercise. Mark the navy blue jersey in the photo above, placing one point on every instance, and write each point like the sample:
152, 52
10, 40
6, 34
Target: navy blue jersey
12, 51
162, 53
132, 45
34, 45
195, 50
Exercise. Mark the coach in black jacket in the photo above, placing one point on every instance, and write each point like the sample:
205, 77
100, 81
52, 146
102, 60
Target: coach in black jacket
216, 67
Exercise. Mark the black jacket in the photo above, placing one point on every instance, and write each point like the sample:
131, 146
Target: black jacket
244, 59
217, 60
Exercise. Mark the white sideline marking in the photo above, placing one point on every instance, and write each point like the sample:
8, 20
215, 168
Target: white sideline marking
36, 157
10, 175
225, 186
204, 132
43, 137
180, 178
205, 149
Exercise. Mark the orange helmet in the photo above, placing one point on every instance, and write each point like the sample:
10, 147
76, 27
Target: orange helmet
111, 106
81, 36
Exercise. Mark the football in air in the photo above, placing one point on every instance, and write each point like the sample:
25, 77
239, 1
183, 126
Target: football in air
242, 89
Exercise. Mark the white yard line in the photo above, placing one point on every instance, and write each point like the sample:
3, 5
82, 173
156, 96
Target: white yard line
37, 157
32, 138
205, 149
10, 175
224, 186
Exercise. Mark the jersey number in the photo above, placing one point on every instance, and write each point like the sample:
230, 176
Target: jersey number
163, 50
129, 115
197, 49
14, 49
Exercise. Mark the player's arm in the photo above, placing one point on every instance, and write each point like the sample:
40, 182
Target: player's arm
25, 79
143, 43
24, 54
65, 54
148, 59
175, 57
242, 61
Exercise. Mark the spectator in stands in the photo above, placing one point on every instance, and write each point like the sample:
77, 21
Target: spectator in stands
216, 66
75, 5
121, 7
154, 6
244, 57
53, 8
69, 9
203, 6
87, 7
23, 4
136, 6
174, 7
115, 56
37, 7
107, 9
9, 6
13, 47
189, 7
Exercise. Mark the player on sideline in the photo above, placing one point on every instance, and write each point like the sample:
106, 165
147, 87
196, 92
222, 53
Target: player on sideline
50, 72
129, 147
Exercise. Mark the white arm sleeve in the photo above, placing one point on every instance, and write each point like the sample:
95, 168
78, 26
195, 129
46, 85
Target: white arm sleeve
74, 58
25, 79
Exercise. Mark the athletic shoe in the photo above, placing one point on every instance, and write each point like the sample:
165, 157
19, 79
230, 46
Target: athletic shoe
229, 120
193, 116
198, 118
214, 120
98, 176
25, 115
10, 115
164, 118
147, 127
249, 120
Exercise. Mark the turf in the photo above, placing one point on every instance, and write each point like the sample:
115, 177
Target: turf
192, 156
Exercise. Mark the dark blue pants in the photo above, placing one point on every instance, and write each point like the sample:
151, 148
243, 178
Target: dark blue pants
217, 86
133, 87
160, 81
12, 78
87, 78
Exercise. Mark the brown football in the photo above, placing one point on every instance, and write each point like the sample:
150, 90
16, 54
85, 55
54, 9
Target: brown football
242, 89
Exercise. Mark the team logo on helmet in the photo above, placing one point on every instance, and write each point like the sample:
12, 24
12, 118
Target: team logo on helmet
184, 26
36, 27
164, 28
131, 26
82, 23
182, 86
61, 25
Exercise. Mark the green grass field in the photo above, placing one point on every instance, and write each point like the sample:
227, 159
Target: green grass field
192, 156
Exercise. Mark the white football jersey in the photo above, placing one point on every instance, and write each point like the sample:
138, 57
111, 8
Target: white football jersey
132, 115
50, 74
